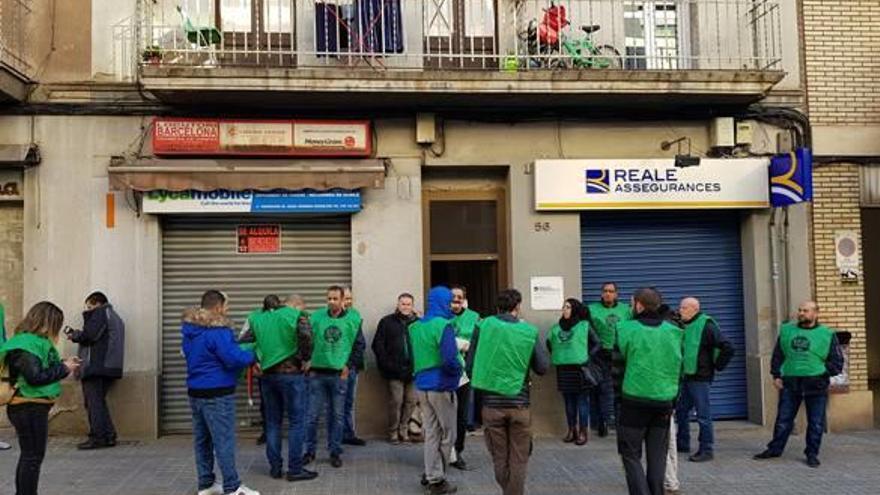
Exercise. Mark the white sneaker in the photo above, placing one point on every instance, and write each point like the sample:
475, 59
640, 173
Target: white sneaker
216, 489
243, 490
5, 446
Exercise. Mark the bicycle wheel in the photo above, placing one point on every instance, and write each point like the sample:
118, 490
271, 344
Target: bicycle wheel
606, 57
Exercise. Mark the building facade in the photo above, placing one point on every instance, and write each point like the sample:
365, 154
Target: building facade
445, 132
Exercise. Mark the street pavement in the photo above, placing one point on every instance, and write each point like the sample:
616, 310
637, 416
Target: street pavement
850, 465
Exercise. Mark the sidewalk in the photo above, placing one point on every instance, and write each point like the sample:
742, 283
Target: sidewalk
849, 466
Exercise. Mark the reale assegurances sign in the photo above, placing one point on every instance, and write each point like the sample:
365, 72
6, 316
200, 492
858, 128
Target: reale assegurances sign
650, 184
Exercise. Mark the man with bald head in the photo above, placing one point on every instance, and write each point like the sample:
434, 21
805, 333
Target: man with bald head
706, 351
806, 355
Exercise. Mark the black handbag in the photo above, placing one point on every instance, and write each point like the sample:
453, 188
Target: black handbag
591, 373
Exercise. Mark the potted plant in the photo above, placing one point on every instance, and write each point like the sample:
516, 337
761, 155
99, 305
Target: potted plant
152, 54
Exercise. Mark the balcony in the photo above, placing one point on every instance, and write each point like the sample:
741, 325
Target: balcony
15, 66
362, 53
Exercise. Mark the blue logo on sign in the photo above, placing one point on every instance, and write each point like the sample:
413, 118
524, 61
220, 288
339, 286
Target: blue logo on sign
598, 181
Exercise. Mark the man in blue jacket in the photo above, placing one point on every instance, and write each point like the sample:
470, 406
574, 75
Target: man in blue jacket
213, 364
437, 373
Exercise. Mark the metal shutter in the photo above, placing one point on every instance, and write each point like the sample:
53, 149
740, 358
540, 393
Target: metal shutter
682, 254
199, 253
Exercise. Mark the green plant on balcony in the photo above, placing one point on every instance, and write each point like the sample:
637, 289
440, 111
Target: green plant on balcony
152, 54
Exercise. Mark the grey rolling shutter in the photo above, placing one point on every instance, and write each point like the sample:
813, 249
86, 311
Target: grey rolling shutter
199, 253
682, 254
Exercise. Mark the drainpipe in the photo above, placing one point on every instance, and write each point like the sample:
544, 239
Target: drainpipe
786, 266
774, 272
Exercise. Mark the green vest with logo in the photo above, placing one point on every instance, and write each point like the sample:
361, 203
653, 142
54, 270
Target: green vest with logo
275, 334
425, 337
606, 320
653, 359
43, 349
805, 350
693, 336
503, 354
333, 338
465, 323
569, 346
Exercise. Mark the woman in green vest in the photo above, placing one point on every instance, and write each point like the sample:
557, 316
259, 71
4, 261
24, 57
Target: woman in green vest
571, 343
36, 370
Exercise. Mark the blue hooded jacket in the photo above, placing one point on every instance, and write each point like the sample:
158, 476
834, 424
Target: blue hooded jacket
213, 358
446, 377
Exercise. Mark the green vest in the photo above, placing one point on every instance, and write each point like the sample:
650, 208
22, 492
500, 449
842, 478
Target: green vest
503, 354
606, 321
425, 340
465, 323
275, 333
333, 338
693, 336
48, 356
805, 350
653, 360
569, 347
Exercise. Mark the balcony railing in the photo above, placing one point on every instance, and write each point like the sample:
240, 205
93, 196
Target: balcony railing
474, 35
14, 40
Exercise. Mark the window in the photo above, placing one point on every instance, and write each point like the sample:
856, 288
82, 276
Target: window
653, 31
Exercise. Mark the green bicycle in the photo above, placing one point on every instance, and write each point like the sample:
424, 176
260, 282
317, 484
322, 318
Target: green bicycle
549, 46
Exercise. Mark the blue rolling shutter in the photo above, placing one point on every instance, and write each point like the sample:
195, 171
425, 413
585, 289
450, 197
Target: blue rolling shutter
681, 254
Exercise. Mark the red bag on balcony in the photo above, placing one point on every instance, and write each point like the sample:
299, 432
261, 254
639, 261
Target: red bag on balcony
555, 18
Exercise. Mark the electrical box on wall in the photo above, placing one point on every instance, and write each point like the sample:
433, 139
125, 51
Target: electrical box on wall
426, 128
721, 132
745, 132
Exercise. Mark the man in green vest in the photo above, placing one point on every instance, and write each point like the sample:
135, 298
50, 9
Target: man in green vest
337, 345
437, 371
283, 343
605, 316
464, 321
651, 351
503, 349
349, 435
806, 355
706, 351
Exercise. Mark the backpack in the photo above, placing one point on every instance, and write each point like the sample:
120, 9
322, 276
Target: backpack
7, 388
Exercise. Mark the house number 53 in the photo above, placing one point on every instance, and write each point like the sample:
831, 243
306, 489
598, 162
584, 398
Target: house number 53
542, 227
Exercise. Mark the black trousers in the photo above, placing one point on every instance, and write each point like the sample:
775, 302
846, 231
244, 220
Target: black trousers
464, 403
31, 423
100, 423
637, 426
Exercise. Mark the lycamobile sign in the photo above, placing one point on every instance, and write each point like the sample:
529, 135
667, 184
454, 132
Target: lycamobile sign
226, 201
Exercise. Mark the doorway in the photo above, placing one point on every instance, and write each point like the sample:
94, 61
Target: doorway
871, 254
466, 243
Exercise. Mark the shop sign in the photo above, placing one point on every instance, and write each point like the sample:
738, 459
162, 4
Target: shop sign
259, 238
791, 177
210, 137
11, 185
548, 293
225, 201
650, 184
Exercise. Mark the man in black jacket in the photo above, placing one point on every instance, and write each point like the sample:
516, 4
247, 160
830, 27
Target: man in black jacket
706, 351
394, 359
101, 349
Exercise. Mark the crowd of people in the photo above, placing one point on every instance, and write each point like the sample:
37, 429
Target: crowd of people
640, 369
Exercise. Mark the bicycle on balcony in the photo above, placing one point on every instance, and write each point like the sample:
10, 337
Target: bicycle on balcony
549, 47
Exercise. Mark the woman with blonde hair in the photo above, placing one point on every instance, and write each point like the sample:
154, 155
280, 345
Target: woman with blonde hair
36, 370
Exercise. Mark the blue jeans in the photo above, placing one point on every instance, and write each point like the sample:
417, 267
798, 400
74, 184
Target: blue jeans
327, 390
285, 393
577, 408
348, 424
790, 398
602, 406
214, 434
695, 395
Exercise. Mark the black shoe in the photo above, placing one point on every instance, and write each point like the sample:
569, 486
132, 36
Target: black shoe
813, 461
336, 461
93, 444
441, 488
602, 431
354, 441
303, 475
766, 455
261, 439
459, 464
701, 457
275, 474
424, 479
308, 458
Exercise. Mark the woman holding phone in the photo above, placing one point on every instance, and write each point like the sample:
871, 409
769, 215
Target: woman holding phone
36, 370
